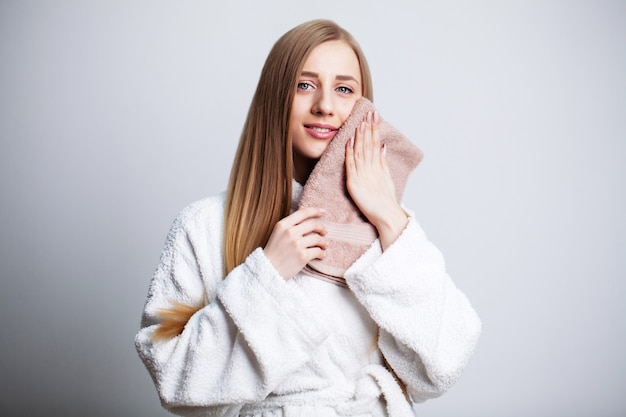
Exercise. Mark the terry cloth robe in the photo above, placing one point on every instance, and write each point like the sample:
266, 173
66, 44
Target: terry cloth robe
263, 346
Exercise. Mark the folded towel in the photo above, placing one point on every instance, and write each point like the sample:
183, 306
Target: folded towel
349, 234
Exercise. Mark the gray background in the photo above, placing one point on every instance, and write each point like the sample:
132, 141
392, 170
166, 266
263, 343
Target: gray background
114, 115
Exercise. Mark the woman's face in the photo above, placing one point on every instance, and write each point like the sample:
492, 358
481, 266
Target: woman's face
328, 87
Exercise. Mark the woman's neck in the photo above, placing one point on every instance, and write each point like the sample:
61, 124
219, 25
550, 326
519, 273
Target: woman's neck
302, 168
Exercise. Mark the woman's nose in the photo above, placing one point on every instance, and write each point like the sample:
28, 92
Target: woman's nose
323, 104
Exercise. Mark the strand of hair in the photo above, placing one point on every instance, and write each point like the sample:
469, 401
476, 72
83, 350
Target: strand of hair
174, 319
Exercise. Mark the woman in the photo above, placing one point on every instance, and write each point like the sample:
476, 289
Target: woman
233, 325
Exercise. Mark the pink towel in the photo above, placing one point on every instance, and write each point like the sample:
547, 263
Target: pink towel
349, 234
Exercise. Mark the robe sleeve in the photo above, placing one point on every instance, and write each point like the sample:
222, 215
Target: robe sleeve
428, 329
248, 338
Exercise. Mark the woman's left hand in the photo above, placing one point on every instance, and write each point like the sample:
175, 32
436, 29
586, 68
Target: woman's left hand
369, 181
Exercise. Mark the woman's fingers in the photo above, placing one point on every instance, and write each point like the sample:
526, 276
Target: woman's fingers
313, 247
371, 139
366, 145
376, 142
296, 240
301, 215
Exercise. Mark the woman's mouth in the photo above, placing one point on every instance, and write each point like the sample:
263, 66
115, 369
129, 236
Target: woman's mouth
321, 131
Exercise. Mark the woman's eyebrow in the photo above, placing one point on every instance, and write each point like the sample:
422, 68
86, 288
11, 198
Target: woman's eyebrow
310, 74
347, 78
338, 77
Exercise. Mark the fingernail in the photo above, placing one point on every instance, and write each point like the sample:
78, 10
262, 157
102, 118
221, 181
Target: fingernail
376, 117
352, 142
369, 117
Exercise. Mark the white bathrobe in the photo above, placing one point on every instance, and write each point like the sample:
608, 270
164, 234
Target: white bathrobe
263, 346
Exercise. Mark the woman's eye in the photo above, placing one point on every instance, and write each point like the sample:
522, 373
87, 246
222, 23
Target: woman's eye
344, 90
304, 86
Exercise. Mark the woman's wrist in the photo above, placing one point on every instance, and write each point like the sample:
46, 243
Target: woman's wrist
391, 226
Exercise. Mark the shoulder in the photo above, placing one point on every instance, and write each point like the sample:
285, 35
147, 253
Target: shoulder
199, 219
202, 211
195, 238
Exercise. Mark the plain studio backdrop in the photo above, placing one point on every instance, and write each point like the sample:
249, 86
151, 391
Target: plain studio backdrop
114, 115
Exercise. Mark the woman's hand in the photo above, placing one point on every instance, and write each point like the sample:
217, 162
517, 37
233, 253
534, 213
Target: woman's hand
369, 181
295, 241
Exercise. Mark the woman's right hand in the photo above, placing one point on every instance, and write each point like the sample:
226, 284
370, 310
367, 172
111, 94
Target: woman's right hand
295, 241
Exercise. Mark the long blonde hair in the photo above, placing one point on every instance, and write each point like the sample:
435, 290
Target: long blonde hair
259, 189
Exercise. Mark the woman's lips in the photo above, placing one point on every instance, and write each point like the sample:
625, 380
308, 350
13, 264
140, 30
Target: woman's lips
319, 131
